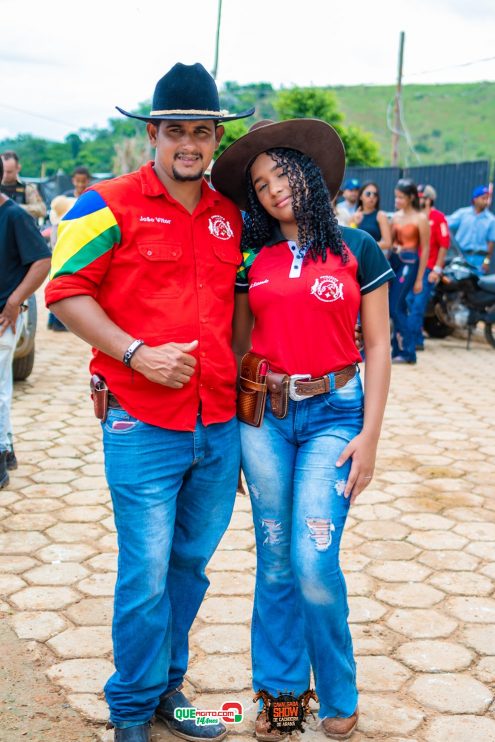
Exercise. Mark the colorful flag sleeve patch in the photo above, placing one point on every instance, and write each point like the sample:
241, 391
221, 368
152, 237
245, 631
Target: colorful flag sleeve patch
85, 233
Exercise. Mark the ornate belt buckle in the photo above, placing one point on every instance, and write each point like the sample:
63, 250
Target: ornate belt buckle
292, 387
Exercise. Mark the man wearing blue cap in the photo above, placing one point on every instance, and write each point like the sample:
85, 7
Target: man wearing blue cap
346, 208
474, 229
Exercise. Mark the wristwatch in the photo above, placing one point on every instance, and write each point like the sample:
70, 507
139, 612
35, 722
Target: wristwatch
130, 351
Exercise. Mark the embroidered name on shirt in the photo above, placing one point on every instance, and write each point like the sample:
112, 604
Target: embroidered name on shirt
158, 219
219, 227
327, 288
258, 283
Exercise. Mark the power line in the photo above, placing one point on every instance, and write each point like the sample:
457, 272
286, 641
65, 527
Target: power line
451, 67
37, 115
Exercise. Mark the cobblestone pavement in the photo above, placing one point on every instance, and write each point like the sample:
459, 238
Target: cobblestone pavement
418, 552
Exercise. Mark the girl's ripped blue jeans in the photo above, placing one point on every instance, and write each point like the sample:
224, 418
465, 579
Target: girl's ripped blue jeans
173, 494
300, 609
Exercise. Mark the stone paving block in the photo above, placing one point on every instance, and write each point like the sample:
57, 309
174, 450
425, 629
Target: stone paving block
377, 530
57, 464
375, 512
90, 706
378, 673
65, 573
89, 483
53, 476
477, 532
461, 729
427, 522
46, 491
65, 553
75, 532
472, 609
399, 571
16, 564
418, 623
87, 641
451, 693
351, 561
81, 675
462, 583
456, 561
109, 523
223, 673
10, 584
99, 584
226, 639
435, 656
359, 583
383, 550
482, 550
373, 638
88, 497
489, 570
226, 610
83, 514
480, 638
29, 522
410, 595
471, 515
231, 583
44, 598
235, 560
387, 715
418, 505
38, 625
21, 542
485, 670
91, 612
103, 563
237, 540
108, 542
437, 540
37, 505
363, 609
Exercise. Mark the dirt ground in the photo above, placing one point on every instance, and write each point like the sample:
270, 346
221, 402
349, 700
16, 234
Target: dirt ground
31, 707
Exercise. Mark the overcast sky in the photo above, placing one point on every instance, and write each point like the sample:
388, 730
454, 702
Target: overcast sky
66, 65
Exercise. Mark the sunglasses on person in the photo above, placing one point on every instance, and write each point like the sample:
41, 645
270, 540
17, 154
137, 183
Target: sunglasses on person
370, 193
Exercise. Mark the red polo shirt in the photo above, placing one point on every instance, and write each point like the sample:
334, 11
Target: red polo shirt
439, 236
163, 275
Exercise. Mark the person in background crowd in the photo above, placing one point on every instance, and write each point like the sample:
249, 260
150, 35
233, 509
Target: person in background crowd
346, 208
24, 194
59, 207
303, 280
439, 244
144, 271
24, 262
474, 230
81, 179
369, 218
410, 236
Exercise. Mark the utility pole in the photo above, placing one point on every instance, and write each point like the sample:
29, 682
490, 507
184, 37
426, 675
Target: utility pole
217, 41
398, 93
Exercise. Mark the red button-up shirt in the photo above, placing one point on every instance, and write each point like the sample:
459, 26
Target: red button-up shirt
163, 275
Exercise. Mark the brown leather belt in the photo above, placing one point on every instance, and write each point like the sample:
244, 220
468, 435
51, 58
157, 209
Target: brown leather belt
303, 386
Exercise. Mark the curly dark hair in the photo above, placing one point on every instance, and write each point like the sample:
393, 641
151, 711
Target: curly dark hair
317, 226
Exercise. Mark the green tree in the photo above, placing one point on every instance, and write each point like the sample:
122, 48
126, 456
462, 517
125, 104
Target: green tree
294, 103
233, 130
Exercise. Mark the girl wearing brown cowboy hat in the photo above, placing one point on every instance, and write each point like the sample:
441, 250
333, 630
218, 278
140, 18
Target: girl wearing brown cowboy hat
301, 286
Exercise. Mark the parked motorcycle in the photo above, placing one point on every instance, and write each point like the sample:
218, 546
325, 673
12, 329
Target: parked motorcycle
460, 300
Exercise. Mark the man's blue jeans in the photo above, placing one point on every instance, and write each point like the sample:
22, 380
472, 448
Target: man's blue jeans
417, 304
173, 494
300, 609
405, 268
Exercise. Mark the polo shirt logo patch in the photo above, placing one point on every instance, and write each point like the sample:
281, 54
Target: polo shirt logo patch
219, 227
327, 288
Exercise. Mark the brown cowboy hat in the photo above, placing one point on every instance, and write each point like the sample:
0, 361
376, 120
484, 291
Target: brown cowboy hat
313, 137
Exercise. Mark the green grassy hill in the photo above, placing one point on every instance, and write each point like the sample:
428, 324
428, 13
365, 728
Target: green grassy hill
447, 123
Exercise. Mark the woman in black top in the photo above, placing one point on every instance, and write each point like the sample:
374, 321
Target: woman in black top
369, 218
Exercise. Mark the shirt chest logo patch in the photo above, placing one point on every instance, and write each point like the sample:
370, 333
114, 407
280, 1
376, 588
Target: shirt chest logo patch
219, 227
327, 288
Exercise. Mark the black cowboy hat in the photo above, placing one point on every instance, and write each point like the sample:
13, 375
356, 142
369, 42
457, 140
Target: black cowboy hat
187, 92
313, 137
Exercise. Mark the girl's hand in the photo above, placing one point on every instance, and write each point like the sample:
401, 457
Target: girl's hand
362, 450
418, 286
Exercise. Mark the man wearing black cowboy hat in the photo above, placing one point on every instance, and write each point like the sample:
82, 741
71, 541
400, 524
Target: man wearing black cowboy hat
144, 271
